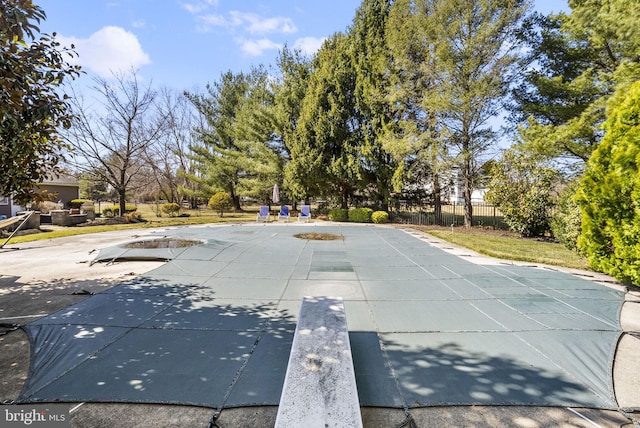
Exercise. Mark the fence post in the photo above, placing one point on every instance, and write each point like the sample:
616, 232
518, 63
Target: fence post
495, 223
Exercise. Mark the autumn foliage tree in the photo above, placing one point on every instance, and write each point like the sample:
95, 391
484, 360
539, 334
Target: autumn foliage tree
33, 69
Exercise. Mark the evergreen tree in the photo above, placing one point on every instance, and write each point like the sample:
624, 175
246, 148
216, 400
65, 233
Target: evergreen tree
294, 70
370, 58
476, 49
289, 91
218, 154
609, 193
578, 61
256, 133
326, 159
453, 62
416, 137
234, 154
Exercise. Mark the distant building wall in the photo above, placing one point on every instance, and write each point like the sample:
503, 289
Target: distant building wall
63, 189
64, 193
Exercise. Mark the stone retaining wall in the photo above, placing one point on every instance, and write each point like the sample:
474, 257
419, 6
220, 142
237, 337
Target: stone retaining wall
64, 218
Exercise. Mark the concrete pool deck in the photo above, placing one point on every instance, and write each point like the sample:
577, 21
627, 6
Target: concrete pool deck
41, 278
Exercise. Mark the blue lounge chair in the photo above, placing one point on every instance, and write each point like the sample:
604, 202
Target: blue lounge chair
305, 213
284, 213
263, 214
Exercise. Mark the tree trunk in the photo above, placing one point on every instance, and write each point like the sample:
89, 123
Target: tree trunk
235, 198
468, 208
344, 196
123, 202
383, 193
437, 200
193, 202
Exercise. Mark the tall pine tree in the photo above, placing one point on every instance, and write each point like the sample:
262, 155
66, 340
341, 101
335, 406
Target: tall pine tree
234, 154
370, 59
326, 158
578, 61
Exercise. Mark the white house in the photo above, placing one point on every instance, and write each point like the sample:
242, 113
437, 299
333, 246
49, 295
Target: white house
455, 193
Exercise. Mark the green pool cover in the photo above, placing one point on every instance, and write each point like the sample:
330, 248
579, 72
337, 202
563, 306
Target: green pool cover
214, 325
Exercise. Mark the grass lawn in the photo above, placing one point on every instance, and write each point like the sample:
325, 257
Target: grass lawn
151, 220
505, 245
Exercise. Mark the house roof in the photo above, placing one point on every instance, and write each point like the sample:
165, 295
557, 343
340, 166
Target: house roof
61, 180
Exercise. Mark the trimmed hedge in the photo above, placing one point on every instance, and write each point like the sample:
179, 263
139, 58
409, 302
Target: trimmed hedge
114, 211
77, 203
339, 214
360, 215
380, 217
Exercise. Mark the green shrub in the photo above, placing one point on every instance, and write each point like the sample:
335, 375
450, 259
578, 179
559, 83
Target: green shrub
339, 214
171, 209
609, 193
380, 217
77, 203
220, 202
530, 216
521, 187
566, 220
114, 211
360, 215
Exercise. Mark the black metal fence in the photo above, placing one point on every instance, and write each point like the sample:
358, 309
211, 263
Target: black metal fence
484, 215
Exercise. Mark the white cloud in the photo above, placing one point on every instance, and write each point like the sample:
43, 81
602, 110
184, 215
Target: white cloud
244, 26
199, 6
110, 49
215, 20
260, 25
249, 22
257, 47
309, 45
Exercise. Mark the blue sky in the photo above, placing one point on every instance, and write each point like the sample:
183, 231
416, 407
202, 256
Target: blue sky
185, 44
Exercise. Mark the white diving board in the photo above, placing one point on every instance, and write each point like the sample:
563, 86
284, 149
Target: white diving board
320, 385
